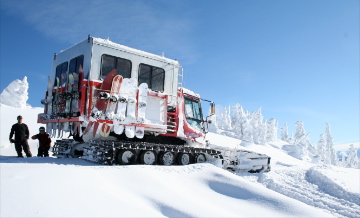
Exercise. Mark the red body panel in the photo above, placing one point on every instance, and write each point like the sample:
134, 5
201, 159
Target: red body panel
177, 125
105, 87
190, 133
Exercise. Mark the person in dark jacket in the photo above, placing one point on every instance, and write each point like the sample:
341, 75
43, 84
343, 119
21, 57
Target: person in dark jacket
44, 142
21, 132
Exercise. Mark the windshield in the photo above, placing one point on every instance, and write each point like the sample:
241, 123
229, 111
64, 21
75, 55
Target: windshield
193, 113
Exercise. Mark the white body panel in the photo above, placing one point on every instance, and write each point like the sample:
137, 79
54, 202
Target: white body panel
155, 110
82, 48
137, 57
93, 49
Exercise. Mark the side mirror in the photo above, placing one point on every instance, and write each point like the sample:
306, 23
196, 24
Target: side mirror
212, 108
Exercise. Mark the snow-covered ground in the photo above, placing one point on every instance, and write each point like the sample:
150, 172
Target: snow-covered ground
53, 187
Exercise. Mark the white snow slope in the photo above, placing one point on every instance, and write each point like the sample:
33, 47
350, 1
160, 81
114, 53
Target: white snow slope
53, 187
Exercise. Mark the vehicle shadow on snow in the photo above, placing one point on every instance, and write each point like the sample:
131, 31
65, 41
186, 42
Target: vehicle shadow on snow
46, 160
167, 210
248, 194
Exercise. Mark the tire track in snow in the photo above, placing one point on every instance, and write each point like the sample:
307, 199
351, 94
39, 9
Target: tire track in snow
296, 183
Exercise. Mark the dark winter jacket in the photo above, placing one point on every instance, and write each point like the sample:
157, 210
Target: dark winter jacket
21, 132
44, 139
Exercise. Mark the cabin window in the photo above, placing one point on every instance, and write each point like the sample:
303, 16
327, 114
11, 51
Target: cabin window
109, 63
61, 70
193, 113
76, 64
153, 76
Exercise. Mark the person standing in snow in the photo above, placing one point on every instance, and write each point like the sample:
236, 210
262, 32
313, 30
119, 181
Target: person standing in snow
44, 142
21, 132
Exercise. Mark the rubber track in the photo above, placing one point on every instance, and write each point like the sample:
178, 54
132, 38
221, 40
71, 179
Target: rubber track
104, 152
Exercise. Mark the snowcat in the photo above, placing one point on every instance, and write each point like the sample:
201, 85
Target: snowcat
120, 105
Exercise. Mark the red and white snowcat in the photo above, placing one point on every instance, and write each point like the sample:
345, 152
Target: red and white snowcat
125, 106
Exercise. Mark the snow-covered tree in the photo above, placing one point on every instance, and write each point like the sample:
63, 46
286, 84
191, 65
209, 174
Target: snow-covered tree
271, 131
227, 118
224, 119
256, 123
330, 151
300, 135
301, 142
16, 94
247, 131
263, 132
284, 133
245, 125
321, 148
352, 160
239, 120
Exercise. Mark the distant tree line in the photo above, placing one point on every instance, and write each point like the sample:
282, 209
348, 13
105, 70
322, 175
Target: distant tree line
252, 127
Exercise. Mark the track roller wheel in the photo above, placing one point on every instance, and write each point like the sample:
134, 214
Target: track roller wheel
77, 150
166, 158
126, 157
200, 158
148, 157
183, 159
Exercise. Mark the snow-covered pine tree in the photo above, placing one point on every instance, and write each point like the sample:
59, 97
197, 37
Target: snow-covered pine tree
300, 139
271, 131
219, 119
284, 133
263, 132
256, 123
330, 147
247, 131
227, 118
321, 148
352, 160
300, 136
224, 119
238, 120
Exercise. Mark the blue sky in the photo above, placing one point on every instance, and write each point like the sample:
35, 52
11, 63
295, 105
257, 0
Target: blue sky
298, 60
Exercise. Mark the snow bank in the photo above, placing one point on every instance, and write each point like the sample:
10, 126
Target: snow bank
333, 189
16, 94
312, 187
344, 178
330, 187
79, 188
297, 151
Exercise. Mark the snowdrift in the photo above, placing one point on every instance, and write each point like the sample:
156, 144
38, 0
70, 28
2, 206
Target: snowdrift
74, 187
54, 187
16, 94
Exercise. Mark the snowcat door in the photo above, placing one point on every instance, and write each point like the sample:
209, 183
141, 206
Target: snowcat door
193, 114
